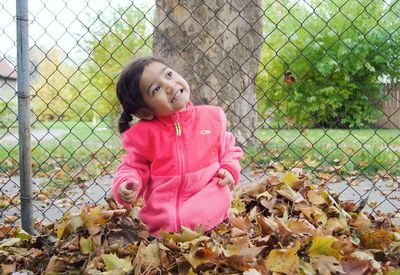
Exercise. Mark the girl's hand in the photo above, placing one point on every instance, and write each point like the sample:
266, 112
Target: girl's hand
226, 178
128, 191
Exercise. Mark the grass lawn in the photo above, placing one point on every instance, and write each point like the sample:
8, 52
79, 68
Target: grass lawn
82, 152
365, 150
85, 151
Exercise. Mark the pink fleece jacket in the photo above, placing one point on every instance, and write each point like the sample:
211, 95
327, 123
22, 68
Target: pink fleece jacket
175, 159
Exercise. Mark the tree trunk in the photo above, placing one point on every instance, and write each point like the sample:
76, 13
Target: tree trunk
216, 46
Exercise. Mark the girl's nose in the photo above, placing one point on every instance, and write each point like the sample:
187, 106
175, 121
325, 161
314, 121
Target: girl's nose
169, 87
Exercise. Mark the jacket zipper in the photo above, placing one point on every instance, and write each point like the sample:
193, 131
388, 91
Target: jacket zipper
182, 162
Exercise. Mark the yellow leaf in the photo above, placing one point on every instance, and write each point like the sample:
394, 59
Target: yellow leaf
289, 178
185, 235
112, 262
335, 225
68, 225
198, 257
323, 246
283, 260
287, 192
378, 239
316, 197
306, 268
23, 235
85, 245
238, 205
315, 215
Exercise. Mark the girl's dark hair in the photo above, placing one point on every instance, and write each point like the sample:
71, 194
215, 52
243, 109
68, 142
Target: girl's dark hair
128, 92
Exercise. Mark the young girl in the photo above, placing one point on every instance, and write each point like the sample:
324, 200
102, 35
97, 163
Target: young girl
179, 156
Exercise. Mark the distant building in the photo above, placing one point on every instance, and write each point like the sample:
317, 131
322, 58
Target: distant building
8, 82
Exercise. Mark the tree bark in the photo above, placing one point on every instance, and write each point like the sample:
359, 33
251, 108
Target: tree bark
216, 46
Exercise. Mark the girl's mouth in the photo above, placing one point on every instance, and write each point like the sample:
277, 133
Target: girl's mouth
177, 95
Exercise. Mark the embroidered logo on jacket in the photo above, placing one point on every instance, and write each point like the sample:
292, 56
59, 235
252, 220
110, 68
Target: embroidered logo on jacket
205, 132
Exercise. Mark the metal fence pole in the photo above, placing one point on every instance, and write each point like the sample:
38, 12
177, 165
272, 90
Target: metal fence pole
25, 161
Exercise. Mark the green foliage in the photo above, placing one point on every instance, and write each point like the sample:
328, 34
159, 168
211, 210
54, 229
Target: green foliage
66, 90
52, 90
338, 52
8, 113
114, 39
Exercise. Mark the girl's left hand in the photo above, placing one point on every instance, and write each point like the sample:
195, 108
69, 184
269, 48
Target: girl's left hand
226, 178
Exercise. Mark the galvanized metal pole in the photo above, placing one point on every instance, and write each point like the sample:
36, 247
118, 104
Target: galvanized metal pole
25, 162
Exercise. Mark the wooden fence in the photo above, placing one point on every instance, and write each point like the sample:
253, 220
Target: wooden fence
391, 108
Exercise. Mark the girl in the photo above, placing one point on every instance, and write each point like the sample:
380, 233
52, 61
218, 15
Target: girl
179, 156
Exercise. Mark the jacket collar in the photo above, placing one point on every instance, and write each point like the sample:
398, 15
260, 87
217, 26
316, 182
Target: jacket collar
178, 116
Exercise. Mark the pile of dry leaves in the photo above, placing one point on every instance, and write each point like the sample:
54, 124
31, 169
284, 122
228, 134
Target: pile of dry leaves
282, 225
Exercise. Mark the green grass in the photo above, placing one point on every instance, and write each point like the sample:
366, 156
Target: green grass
83, 152
366, 150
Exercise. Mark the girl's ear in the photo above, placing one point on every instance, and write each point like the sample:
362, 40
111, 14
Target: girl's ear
144, 113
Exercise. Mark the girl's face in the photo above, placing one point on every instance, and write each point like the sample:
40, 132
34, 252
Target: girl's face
164, 90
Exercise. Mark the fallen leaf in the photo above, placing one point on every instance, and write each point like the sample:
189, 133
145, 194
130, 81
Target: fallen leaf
326, 265
112, 262
323, 246
283, 260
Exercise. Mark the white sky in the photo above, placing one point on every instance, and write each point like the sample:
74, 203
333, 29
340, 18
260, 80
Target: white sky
53, 21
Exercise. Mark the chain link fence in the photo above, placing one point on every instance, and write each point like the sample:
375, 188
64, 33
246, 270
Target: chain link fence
309, 86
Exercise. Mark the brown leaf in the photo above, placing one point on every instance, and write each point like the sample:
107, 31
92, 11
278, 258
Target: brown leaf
283, 260
268, 225
378, 239
56, 264
288, 193
8, 268
314, 215
356, 266
240, 262
300, 226
326, 265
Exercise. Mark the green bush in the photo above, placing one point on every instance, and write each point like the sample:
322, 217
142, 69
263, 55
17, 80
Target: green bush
337, 52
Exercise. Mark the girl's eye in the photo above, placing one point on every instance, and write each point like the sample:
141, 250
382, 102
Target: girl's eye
169, 74
156, 90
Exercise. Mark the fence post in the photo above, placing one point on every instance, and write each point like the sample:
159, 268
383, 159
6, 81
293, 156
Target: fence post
25, 162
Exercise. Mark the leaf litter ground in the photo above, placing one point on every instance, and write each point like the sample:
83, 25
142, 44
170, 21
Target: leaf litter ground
278, 225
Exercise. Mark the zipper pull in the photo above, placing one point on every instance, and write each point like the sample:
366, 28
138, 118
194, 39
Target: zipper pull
178, 128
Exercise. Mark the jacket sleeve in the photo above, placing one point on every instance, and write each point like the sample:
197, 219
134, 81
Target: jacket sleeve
134, 165
229, 154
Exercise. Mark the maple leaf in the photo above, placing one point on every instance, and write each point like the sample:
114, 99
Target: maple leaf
300, 226
199, 256
112, 262
377, 239
356, 266
185, 235
287, 192
323, 245
69, 224
147, 258
56, 264
86, 245
316, 197
362, 223
326, 265
8, 268
314, 215
289, 178
283, 260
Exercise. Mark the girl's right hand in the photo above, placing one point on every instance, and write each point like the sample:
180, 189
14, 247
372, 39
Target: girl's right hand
128, 191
